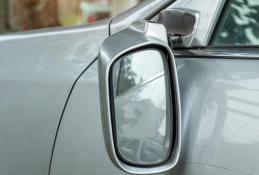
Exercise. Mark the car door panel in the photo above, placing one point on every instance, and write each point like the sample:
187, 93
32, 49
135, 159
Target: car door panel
219, 93
37, 72
220, 113
80, 147
219, 121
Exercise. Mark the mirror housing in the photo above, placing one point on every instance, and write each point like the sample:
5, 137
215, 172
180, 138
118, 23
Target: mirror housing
177, 22
139, 36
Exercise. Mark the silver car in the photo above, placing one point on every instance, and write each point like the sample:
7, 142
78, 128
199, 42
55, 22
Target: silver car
168, 87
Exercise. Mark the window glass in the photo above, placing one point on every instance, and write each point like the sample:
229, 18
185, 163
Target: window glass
240, 26
23, 15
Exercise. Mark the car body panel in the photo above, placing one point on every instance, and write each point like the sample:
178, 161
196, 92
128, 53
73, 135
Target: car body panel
80, 147
208, 15
37, 72
220, 118
145, 10
220, 113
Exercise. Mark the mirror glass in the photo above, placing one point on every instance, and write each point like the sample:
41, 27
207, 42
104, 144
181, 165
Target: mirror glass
142, 123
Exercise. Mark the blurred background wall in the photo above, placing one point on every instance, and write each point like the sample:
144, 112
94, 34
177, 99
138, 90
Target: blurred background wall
122, 5
3, 15
22, 15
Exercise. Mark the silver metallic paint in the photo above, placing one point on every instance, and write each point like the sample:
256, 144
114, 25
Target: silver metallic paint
219, 121
144, 11
217, 139
37, 71
138, 35
220, 115
208, 10
80, 147
208, 107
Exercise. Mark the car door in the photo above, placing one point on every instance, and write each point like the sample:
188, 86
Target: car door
37, 72
218, 84
221, 115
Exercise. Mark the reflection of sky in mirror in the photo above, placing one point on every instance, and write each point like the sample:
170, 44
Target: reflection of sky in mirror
146, 64
153, 90
136, 69
157, 98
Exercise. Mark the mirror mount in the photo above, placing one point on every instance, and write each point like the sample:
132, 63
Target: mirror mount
181, 25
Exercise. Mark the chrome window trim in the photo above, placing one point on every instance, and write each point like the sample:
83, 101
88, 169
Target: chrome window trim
239, 53
145, 35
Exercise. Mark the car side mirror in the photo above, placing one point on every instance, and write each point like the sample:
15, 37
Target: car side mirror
177, 22
140, 100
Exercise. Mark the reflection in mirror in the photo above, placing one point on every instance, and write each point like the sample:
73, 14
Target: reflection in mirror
141, 108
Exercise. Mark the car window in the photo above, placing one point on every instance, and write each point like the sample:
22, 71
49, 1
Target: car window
240, 24
24, 15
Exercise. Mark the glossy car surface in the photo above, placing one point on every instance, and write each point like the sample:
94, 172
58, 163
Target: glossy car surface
50, 118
